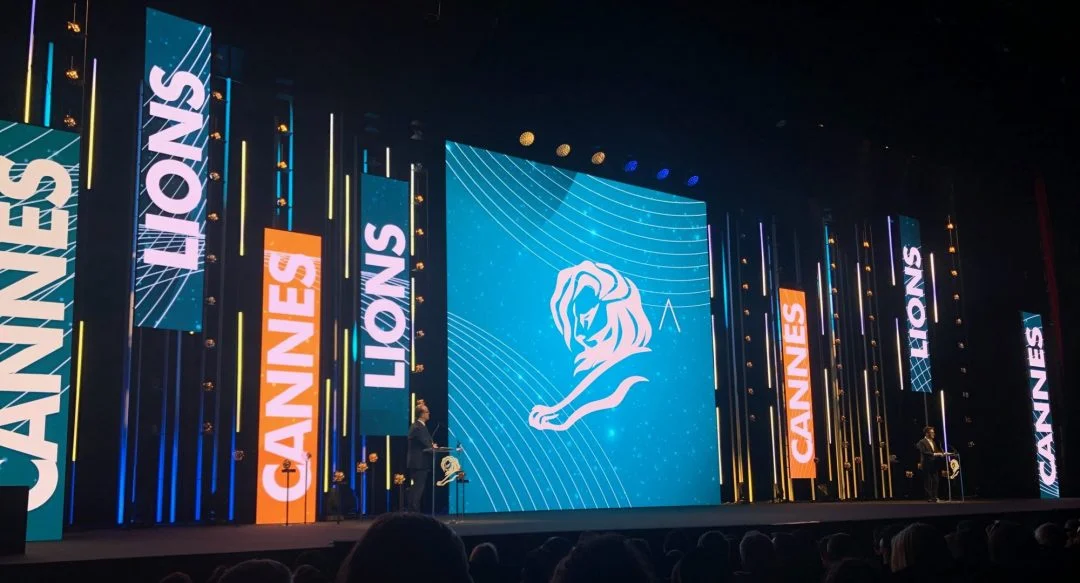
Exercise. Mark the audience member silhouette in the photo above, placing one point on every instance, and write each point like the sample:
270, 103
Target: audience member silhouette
406, 547
258, 571
484, 564
608, 557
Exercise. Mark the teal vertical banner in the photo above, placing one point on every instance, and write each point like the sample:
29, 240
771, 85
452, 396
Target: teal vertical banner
915, 305
385, 306
1041, 419
39, 183
171, 223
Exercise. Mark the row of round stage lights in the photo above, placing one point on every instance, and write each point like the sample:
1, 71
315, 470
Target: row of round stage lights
599, 157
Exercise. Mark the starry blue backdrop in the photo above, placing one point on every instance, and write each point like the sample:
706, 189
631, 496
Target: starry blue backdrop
512, 225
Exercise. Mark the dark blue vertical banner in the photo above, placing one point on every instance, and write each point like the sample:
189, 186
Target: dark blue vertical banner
172, 175
39, 191
1042, 421
385, 306
915, 312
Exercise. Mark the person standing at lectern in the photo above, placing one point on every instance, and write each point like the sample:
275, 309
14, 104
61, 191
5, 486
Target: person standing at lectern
929, 453
418, 461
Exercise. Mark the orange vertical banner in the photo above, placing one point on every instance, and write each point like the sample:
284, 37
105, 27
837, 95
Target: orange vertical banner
798, 393
289, 374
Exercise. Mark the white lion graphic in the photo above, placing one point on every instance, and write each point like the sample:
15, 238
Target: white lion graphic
599, 314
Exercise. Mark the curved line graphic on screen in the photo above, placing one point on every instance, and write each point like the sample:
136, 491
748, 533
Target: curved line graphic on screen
599, 310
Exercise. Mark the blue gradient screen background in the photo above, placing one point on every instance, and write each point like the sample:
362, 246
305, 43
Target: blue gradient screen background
512, 225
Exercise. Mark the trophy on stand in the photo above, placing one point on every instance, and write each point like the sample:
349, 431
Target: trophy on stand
288, 470
449, 464
952, 472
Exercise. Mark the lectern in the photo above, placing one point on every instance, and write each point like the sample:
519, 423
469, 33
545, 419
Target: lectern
435, 453
953, 471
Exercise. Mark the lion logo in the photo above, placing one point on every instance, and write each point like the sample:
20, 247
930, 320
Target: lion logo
599, 314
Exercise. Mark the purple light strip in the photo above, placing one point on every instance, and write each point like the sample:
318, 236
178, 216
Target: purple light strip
708, 233
30, 60
761, 231
858, 278
892, 261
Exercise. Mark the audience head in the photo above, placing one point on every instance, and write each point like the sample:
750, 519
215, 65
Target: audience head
700, 566
484, 563
756, 552
538, 567
714, 541
642, 547
838, 547
919, 547
388, 552
309, 574
177, 577
676, 540
1011, 544
884, 542
853, 571
558, 546
785, 545
257, 571
608, 557
1051, 536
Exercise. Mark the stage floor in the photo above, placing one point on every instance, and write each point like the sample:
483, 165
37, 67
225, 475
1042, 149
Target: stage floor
222, 540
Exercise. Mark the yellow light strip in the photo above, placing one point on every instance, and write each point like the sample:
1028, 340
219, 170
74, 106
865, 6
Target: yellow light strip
345, 384
933, 285
78, 392
388, 457
330, 195
243, 193
899, 355
347, 226
768, 354
29, 67
239, 365
326, 441
93, 125
412, 323
715, 378
719, 456
858, 278
869, 421
388, 164
412, 408
412, 212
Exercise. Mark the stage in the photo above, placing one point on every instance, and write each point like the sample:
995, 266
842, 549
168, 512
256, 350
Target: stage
113, 544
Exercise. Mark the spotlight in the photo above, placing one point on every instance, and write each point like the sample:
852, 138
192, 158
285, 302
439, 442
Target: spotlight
630, 166
419, 265
215, 135
953, 272
949, 226
282, 202
952, 249
212, 217
238, 455
69, 120
563, 150
598, 158
282, 165
419, 199
211, 258
527, 139
207, 428
208, 386
210, 343
419, 299
282, 128
217, 95
72, 74
419, 368
419, 333
866, 244
373, 458
215, 175
419, 232
693, 180
211, 301
662, 174
74, 27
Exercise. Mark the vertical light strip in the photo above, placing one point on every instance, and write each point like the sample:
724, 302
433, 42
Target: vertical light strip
719, 455
347, 221
239, 365
820, 299
292, 166
326, 441
768, 354
93, 127
30, 62
933, 286
869, 421
772, 441
46, 116
944, 426
892, 260
78, 394
412, 324
412, 407
716, 371
388, 166
858, 278
345, 376
243, 192
828, 407
899, 354
708, 234
412, 210
387, 458
330, 194
764, 288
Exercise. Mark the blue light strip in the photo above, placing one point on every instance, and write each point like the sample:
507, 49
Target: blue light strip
365, 162
176, 434
161, 439
352, 418
292, 133
363, 477
125, 399
47, 116
71, 500
138, 408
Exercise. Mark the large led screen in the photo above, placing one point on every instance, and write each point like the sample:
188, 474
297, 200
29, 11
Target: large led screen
1041, 419
580, 357
39, 192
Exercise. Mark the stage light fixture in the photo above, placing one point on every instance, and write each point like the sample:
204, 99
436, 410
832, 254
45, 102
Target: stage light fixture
69, 120
419, 368
598, 158
210, 343
746, 286
217, 96
282, 128
527, 139
208, 386
211, 301
631, 166
238, 455
746, 311
419, 265
743, 261
419, 333
953, 272
419, 199
212, 217
563, 150
866, 244
832, 241
663, 173
74, 27
72, 74
282, 165
866, 269
959, 322
211, 258
215, 175
956, 297
282, 202
693, 180
949, 226
952, 249
872, 318
215, 135
419, 299
419, 232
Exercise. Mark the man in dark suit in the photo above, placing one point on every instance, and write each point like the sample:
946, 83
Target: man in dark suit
929, 453
418, 461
